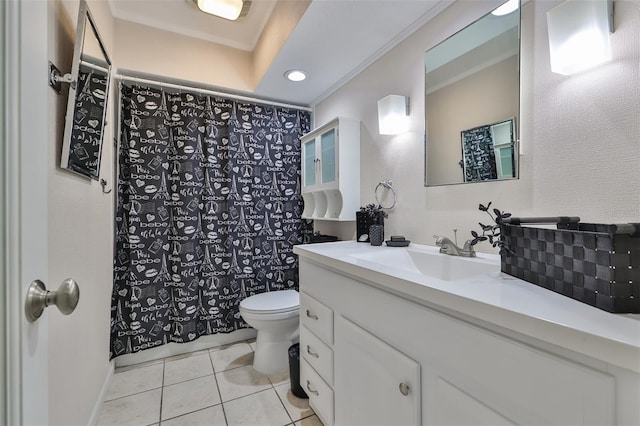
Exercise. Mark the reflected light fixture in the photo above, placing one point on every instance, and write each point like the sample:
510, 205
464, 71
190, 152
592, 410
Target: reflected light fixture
507, 8
227, 9
579, 35
393, 115
295, 75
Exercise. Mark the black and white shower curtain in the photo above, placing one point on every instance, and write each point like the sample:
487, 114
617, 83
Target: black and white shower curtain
208, 212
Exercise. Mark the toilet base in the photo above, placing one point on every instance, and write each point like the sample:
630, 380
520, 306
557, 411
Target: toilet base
272, 352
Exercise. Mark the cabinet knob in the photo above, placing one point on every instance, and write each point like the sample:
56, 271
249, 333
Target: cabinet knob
313, 354
313, 391
404, 389
312, 316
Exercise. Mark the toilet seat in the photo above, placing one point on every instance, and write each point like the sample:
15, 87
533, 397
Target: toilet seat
275, 302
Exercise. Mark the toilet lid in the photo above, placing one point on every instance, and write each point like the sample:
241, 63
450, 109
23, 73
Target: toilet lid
272, 301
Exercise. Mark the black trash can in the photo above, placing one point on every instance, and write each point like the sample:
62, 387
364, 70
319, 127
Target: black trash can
294, 371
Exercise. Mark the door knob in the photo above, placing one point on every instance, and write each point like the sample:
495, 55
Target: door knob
38, 297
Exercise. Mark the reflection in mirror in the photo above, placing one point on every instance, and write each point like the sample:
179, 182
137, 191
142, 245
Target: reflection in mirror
488, 152
86, 108
472, 84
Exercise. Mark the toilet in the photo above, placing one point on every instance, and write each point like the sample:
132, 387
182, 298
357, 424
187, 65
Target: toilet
274, 315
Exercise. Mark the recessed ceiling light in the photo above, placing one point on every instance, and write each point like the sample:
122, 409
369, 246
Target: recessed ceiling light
295, 75
507, 8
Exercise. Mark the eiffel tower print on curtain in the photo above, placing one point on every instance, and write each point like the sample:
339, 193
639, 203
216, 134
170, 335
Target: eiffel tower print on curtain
207, 213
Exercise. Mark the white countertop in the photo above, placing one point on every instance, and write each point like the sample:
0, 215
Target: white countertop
494, 297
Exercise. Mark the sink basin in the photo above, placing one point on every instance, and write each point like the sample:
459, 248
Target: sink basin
450, 268
432, 264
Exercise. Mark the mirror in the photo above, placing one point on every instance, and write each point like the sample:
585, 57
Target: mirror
472, 103
87, 104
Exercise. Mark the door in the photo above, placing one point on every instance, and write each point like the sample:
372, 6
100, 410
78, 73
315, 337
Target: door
319, 160
375, 384
309, 161
328, 156
23, 209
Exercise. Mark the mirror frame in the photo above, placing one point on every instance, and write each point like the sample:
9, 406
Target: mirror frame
516, 119
85, 23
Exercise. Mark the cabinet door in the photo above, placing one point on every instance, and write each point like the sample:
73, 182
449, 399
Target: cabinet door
309, 163
328, 156
375, 384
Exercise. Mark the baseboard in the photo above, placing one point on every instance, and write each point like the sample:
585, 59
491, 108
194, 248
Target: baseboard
173, 349
93, 420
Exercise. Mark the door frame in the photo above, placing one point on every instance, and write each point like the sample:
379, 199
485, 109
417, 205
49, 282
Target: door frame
4, 385
23, 209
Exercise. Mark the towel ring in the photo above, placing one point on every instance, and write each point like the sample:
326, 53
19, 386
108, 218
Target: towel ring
389, 185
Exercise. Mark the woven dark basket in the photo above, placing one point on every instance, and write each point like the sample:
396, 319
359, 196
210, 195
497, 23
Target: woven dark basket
594, 263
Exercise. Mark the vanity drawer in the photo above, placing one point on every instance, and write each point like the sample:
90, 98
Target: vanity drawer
319, 392
316, 317
316, 353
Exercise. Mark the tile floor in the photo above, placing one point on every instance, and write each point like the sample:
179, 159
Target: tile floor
211, 387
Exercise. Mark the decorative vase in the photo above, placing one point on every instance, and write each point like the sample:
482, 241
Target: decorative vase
376, 234
363, 222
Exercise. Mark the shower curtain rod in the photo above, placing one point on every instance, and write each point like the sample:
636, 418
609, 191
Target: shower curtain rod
162, 84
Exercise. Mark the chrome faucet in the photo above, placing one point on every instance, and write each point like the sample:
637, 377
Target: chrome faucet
448, 247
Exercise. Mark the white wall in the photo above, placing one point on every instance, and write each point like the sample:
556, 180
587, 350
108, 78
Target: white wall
149, 50
80, 243
580, 135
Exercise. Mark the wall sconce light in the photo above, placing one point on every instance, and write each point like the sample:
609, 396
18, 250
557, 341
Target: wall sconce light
579, 35
227, 9
393, 115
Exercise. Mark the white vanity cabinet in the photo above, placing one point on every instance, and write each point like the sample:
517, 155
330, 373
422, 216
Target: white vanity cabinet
316, 361
381, 384
396, 361
331, 170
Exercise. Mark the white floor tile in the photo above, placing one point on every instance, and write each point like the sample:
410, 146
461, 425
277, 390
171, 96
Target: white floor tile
310, 421
279, 378
212, 416
241, 381
135, 410
185, 397
232, 356
262, 408
135, 380
180, 369
297, 408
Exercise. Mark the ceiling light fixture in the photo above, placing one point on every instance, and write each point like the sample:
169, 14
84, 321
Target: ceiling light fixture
506, 8
227, 9
295, 75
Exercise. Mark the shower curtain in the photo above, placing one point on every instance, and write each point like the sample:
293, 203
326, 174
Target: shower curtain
207, 214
